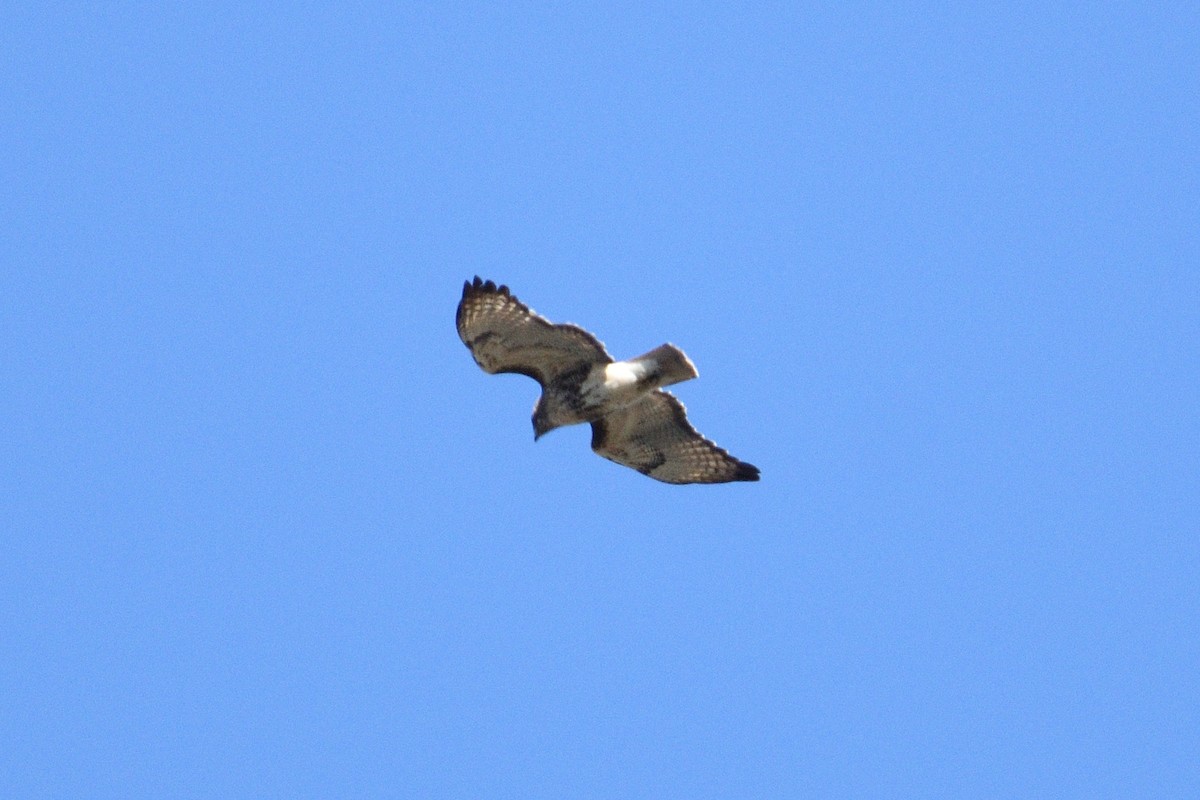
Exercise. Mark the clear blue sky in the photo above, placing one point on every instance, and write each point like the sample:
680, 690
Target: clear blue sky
269, 531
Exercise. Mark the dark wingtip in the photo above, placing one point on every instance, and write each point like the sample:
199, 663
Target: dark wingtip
480, 286
745, 472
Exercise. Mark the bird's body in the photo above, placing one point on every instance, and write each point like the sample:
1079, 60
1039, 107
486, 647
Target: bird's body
587, 395
634, 422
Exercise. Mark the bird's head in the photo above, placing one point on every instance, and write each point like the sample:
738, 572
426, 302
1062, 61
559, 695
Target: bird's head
542, 424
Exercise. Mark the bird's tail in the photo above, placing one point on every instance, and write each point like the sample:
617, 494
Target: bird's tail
668, 365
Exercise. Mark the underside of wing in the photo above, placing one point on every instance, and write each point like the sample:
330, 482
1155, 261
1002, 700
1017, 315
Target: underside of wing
654, 437
504, 335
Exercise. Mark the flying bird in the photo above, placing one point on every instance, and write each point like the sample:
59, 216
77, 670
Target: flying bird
634, 422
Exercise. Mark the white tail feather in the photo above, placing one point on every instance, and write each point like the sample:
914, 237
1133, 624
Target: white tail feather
667, 364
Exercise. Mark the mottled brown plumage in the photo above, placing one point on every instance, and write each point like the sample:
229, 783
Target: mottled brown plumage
634, 422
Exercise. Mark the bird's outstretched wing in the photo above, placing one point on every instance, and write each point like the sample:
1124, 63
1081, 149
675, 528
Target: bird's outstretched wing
504, 335
654, 437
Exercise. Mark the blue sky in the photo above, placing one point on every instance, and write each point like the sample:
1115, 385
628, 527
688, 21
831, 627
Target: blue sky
271, 533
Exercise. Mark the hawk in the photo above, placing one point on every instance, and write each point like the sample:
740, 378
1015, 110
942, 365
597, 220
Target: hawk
634, 422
